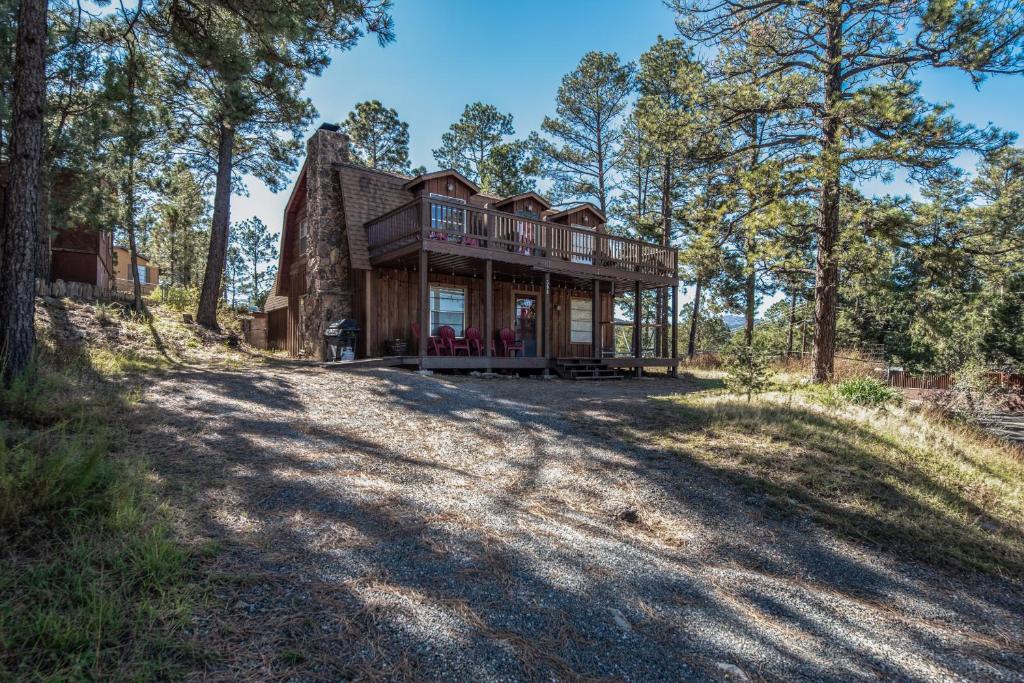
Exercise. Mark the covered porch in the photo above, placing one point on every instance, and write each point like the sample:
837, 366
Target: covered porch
554, 316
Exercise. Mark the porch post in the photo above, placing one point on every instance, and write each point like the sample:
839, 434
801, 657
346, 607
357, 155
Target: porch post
595, 321
675, 329
424, 303
488, 309
369, 315
638, 351
546, 319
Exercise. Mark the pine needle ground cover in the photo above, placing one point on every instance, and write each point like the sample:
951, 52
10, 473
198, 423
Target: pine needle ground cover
892, 477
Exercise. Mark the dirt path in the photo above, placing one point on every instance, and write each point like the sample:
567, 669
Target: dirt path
385, 525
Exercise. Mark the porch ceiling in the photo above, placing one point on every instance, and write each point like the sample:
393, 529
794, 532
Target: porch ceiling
532, 271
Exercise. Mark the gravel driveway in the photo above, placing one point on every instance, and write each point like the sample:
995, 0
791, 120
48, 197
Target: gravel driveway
389, 526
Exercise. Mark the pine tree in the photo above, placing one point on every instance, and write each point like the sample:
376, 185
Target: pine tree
583, 138
22, 202
378, 138
863, 112
257, 251
238, 74
181, 231
477, 146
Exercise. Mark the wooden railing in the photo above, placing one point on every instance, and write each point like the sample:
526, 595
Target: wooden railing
450, 221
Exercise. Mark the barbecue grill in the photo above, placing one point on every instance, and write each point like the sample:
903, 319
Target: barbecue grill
341, 339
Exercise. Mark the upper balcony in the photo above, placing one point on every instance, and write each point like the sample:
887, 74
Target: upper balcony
442, 225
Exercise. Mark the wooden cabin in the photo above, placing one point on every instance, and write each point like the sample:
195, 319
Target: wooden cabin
398, 254
82, 255
149, 272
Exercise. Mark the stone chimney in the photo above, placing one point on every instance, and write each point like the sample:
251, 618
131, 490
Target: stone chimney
328, 280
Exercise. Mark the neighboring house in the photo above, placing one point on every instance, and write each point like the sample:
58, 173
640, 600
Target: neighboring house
393, 253
76, 254
149, 273
82, 256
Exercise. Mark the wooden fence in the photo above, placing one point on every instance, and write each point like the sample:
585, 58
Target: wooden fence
944, 381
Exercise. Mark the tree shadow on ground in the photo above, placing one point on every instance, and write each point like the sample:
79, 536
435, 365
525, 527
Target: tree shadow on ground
385, 524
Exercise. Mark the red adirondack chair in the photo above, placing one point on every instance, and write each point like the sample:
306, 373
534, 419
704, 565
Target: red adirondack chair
476, 342
433, 349
509, 343
450, 343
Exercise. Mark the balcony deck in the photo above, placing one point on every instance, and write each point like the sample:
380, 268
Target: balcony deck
457, 231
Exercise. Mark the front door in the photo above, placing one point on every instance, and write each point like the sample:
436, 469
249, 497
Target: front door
526, 323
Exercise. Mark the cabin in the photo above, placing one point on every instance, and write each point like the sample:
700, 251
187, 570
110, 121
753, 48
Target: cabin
148, 272
82, 255
517, 283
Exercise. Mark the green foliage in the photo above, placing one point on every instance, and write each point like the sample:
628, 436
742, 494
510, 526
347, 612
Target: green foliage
477, 147
378, 138
582, 140
183, 299
868, 391
92, 584
748, 369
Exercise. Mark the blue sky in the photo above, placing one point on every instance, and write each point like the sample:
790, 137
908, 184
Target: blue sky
513, 54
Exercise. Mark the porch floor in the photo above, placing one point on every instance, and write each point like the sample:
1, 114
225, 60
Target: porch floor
494, 362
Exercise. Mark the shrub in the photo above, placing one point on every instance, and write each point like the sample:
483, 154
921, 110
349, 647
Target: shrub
868, 391
974, 392
180, 298
748, 369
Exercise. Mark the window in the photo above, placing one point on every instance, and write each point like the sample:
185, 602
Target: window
303, 236
581, 322
447, 307
142, 274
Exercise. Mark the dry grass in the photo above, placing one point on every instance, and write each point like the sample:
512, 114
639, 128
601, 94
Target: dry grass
895, 478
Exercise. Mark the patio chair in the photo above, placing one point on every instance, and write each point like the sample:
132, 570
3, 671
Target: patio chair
450, 343
509, 343
476, 342
433, 349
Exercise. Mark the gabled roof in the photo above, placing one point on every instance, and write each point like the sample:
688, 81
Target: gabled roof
576, 207
275, 297
440, 174
524, 195
365, 194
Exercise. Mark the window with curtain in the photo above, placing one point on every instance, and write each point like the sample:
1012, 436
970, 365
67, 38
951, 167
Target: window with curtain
303, 236
581, 319
142, 275
448, 307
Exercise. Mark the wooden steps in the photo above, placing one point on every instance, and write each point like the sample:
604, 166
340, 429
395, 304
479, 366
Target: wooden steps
591, 369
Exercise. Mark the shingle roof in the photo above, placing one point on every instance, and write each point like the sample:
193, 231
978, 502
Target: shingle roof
275, 301
523, 195
366, 194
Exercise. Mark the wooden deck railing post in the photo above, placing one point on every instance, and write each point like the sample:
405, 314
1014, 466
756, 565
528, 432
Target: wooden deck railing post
675, 330
638, 351
424, 303
488, 309
549, 352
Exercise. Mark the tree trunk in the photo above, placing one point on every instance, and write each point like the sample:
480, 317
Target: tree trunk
21, 222
130, 183
792, 322
826, 271
43, 255
666, 230
217, 256
750, 306
691, 346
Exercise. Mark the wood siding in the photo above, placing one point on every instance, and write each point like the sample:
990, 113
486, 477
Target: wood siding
394, 298
440, 186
